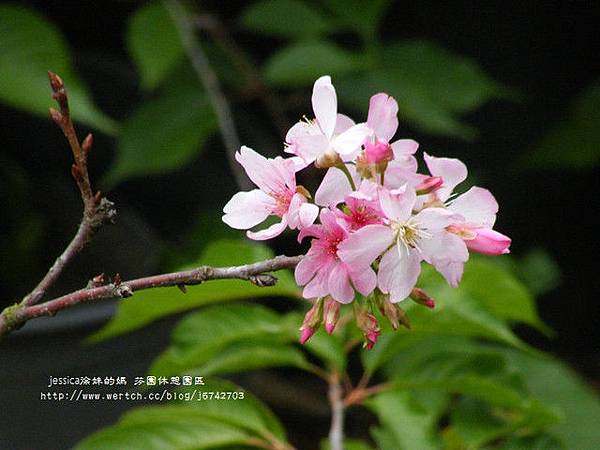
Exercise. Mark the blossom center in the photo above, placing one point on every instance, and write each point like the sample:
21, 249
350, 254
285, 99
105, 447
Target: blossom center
282, 201
408, 235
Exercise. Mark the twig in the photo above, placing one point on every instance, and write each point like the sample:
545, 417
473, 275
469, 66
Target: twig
207, 76
336, 432
15, 316
255, 86
97, 209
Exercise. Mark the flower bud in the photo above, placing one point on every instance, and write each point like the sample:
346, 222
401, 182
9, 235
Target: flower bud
368, 325
331, 314
377, 152
489, 242
429, 185
312, 321
421, 297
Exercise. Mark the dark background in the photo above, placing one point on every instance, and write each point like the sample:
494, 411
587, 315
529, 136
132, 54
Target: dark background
548, 51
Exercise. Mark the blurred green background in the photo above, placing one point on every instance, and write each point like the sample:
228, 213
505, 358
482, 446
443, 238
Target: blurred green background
511, 88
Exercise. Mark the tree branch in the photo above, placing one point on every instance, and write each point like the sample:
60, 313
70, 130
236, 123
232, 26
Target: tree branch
97, 210
207, 76
15, 316
336, 400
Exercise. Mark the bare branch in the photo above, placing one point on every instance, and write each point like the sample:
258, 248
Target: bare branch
97, 210
338, 409
15, 316
207, 76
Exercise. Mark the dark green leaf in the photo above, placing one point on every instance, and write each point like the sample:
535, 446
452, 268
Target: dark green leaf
31, 46
284, 18
162, 135
360, 16
147, 306
165, 427
248, 413
201, 335
302, 63
476, 425
153, 43
575, 141
433, 86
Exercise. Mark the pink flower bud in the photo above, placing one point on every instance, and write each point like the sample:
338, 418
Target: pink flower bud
421, 297
331, 314
312, 321
368, 325
378, 152
489, 242
429, 184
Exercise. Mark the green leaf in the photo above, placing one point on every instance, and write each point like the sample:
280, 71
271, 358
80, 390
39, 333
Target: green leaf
199, 336
302, 63
574, 142
248, 413
360, 16
147, 306
328, 348
154, 44
476, 425
165, 427
410, 422
349, 444
558, 385
31, 46
252, 356
433, 86
539, 271
542, 442
162, 135
284, 18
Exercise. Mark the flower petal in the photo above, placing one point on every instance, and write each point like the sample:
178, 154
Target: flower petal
324, 103
477, 206
404, 147
398, 273
452, 170
348, 143
397, 204
274, 230
361, 248
247, 209
364, 281
383, 116
339, 284
334, 186
307, 214
489, 242
343, 123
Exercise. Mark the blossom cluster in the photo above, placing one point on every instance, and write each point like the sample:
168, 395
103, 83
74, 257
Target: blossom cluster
373, 220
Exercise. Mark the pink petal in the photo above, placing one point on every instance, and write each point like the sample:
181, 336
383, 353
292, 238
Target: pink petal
274, 230
361, 248
350, 141
397, 204
452, 171
310, 147
306, 269
489, 242
343, 123
318, 287
383, 116
398, 273
404, 147
364, 281
434, 220
339, 284
477, 206
270, 175
324, 103
443, 246
334, 186
451, 270
247, 209
308, 214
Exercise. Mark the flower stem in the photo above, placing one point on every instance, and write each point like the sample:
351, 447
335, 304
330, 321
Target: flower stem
344, 169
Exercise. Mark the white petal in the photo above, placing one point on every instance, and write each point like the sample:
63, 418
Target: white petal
383, 116
398, 273
477, 206
343, 123
361, 248
274, 230
246, 209
334, 186
308, 214
397, 204
324, 103
452, 170
349, 141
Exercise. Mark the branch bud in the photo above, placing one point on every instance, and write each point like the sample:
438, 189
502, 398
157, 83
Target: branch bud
56, 82
369, 326
57, 117
87, 143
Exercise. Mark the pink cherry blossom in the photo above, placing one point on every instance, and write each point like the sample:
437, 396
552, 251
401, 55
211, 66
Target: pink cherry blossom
331, 136
361, 207
277, 195
322, 272
403, 241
